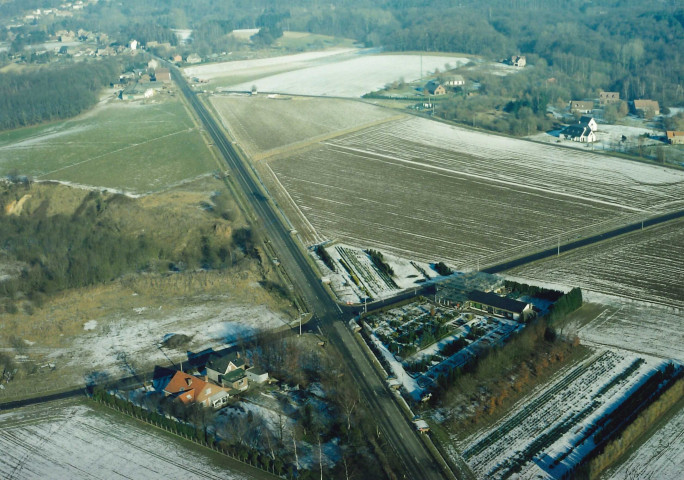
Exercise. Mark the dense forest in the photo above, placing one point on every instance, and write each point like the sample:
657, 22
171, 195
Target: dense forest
52, 93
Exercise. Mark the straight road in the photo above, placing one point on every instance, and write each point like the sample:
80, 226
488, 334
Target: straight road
417, 460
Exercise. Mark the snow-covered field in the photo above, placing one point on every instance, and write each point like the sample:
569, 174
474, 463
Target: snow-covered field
352, 77
552, 431
334, 72
71, 440
429, 191
661, 457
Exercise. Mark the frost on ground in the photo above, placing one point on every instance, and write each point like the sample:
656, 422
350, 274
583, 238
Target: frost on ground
552, 432
461, 196
352, 77
69, 440
120, 347
372, 283
643, 267
661, 457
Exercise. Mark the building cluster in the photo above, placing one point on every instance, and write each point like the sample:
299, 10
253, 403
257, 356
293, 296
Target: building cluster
224, 375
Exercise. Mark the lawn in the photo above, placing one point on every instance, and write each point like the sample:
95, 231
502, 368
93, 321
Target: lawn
131, 147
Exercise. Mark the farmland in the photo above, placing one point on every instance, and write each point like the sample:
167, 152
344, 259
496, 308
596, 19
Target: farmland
131, 147
74, 440
338, 72
552, 431
258, 121
490, 197
643, 267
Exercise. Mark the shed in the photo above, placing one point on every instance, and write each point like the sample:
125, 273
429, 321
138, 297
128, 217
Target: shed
257, 375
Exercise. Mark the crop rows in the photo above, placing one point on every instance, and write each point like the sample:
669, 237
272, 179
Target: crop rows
427, 191
643, 266
545, 429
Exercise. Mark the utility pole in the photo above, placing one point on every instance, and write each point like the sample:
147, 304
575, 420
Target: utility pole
558, 245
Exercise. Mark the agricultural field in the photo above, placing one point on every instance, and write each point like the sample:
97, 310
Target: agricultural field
72, 439
661, 457
336, 72
490, 197
258, 121
551, 432
133, 147
644, 266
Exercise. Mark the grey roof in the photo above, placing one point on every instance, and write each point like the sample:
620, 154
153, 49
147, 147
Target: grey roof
579, 130
585, 119
218, 361
233, 376
431, 86
494, 300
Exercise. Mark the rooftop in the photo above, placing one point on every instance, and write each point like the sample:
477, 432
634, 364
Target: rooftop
494, 300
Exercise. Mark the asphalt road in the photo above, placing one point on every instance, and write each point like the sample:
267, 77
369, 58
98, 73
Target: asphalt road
417, 460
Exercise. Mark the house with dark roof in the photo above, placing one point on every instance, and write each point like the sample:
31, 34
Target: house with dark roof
580, 132
496, 305
588, 121
222, 363
433, 87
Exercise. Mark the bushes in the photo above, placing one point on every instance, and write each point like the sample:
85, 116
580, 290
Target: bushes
442, 269
325, 257
379, 262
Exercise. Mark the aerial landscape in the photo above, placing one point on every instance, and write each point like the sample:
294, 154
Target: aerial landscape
406, 239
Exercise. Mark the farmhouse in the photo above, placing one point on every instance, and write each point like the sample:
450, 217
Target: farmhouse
189, 389
675, 138
608, 97
589, 122
579, 106
518, 61
434, 88
578, 133
496, 305
454, 81
646, 108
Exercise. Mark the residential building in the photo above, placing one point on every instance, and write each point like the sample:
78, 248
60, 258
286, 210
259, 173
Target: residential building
675, 138
434, 88
580, 132
518, 61
227, 369
492, 303
588, 121
580, 106
189, 389
454, 81
256, 375
608, 97
646, 108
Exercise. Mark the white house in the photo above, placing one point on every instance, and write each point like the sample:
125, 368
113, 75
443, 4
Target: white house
134, 44
455, 81
578, 133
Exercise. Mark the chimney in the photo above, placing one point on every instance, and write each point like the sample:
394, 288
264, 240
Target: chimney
188, 381
238, 354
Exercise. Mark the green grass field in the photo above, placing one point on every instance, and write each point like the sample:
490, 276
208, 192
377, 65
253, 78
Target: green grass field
127, 146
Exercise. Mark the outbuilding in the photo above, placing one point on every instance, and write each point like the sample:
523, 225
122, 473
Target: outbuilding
496, 305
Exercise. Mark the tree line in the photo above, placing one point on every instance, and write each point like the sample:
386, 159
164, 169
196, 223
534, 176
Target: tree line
52, 93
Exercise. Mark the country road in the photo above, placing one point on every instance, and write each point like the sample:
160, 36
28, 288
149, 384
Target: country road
417, 460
